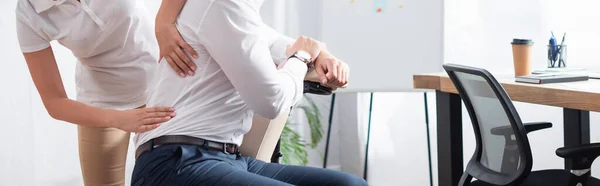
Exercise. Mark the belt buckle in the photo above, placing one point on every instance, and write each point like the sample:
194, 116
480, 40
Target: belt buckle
225, 148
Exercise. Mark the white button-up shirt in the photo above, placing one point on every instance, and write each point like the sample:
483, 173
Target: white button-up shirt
236, 75
113, 41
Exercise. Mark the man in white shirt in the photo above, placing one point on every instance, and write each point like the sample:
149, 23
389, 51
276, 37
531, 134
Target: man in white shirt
243, 68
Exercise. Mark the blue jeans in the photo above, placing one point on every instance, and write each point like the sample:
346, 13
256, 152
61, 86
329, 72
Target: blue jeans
192, 165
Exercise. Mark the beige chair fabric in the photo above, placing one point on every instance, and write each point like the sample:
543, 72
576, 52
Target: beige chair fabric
261, 140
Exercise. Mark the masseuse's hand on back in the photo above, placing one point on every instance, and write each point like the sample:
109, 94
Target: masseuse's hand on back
142, 119
172, 47
170, 42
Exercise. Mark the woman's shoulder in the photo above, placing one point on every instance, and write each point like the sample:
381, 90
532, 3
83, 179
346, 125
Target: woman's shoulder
25, 9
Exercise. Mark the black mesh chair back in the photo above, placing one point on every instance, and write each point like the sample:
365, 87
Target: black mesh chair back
502, 155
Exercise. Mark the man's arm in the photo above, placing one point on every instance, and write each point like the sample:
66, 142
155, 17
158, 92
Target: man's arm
233, 35
279, 44
330, 71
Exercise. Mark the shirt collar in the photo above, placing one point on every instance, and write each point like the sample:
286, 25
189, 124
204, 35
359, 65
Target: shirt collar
43, 5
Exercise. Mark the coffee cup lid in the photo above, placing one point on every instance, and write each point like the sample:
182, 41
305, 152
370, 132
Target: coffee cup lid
522, 42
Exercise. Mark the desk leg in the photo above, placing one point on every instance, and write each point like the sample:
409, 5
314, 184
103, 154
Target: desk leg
449, 138
576, 128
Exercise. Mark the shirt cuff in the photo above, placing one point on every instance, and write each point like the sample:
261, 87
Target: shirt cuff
279, 48
297, 70
29, 49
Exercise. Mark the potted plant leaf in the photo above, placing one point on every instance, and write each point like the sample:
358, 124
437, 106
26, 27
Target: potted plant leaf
293, 146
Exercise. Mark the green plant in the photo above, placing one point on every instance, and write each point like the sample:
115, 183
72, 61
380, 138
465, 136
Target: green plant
293, 147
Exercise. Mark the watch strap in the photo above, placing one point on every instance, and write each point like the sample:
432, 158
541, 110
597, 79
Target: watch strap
304, 57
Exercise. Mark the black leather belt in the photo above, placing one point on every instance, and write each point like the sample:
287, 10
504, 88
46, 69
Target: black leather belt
226, 148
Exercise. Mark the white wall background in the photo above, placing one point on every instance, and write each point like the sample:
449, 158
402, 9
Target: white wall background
411, 28
37, 149
478, 33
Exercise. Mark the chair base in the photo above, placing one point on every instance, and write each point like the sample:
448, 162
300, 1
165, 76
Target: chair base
546, 178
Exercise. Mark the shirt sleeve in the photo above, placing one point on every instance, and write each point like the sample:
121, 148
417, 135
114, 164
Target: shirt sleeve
233, 34
278, 45
30, 40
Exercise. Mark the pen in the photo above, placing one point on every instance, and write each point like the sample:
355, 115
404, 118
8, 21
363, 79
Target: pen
554, 46
551, 50
560, 50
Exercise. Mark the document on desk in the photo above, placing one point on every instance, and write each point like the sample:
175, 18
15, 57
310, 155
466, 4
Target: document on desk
592, 74
550, 78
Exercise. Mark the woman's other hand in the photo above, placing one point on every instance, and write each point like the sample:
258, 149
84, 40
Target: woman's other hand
140, 120
172, 47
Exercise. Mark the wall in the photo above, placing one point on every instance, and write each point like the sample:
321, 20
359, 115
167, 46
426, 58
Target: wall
32, 155
15, 103
30, 149
478, 33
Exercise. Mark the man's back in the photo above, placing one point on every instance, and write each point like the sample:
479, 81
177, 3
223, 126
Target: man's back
233, 81
207, 105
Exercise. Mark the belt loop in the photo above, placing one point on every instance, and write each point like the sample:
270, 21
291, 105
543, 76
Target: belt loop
205, 143
151, 144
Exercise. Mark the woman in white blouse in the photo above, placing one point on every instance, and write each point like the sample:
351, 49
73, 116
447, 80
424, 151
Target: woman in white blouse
116, 52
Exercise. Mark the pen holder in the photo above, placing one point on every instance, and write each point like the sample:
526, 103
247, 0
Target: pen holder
557, 56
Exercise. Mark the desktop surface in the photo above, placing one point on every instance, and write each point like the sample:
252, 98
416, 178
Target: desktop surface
582, 95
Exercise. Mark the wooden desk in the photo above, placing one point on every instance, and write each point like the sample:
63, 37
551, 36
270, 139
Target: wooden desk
576, 99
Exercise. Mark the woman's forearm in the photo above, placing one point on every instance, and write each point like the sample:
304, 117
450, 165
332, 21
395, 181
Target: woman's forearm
168, 11
46, 77
71, 111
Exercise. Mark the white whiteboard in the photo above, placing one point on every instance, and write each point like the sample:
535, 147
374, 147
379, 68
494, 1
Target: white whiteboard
384, 49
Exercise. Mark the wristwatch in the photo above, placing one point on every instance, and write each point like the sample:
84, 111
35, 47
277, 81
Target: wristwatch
304, 57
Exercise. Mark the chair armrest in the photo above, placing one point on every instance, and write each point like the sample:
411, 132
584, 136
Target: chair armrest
316, 88
529, 127
582, 155
584, 150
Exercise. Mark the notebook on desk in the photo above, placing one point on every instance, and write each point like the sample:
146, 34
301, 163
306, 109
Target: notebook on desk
551, 78
591, 73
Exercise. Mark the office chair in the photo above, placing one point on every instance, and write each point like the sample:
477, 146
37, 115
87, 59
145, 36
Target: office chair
503, 155
309, 88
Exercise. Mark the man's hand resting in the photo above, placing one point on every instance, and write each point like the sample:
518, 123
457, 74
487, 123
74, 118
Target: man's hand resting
330, 71
307, 44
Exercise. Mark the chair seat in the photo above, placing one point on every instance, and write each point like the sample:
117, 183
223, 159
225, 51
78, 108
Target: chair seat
546, 178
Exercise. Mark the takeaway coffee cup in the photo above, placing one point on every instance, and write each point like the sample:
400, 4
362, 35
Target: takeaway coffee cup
522, 56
